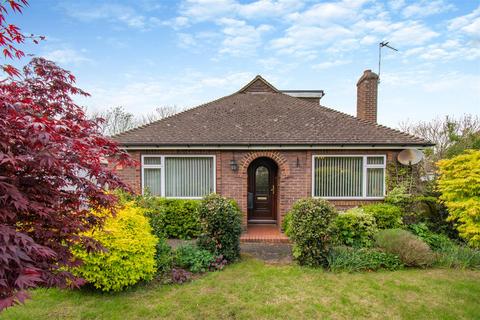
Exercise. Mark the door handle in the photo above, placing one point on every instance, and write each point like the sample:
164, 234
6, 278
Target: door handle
273, 189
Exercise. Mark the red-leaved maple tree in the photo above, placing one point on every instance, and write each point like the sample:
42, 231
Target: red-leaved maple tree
51, 176
51, 172
11, 35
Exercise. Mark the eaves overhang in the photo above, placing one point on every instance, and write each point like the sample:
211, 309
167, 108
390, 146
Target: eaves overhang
365, 146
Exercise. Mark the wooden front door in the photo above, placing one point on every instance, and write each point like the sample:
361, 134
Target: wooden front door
262, 176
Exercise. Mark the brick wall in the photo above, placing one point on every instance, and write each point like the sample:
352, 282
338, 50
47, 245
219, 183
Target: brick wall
294, 174
367, 87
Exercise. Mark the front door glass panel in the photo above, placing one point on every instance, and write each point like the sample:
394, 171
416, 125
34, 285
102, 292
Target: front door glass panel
261, 180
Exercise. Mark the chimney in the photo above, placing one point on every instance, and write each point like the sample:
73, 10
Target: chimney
367, 87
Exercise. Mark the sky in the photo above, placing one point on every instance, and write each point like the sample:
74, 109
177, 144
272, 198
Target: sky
143, 54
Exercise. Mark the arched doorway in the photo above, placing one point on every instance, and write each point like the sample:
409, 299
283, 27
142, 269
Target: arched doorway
262, 191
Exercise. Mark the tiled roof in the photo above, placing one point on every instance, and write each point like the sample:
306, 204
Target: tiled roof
259, 114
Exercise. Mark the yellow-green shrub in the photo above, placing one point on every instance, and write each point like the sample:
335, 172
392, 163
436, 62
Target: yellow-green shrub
387, 216
459, 183
130, 255
355, 228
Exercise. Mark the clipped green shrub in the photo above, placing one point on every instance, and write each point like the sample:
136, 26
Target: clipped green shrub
172, 218
355, 228
434, 240
193, 258
387, 216
411, 250
312, 230
221, 222
362, 259
163, 256
129, 255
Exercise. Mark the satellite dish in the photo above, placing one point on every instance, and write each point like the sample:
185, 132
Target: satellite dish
409, 157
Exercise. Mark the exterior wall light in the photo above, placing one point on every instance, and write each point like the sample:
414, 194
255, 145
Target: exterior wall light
233, 165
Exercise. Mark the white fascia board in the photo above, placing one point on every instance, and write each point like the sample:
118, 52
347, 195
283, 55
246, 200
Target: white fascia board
273, 147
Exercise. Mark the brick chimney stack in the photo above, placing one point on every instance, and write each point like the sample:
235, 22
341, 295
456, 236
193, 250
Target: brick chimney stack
367, 87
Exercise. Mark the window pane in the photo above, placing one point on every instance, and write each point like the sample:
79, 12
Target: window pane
338, 177
375, 178
188, 176
261, 180
152, 160
153, 181
375, 160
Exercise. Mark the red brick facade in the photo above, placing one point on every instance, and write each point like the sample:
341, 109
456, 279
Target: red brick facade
294, 174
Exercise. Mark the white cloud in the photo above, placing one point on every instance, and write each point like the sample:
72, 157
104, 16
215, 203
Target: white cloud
67, 56
378, 26
335, 26
396, 4
449, 82
426, 8
203, 10
426, 93
407, 34
301, 39
241, 38
445, 51
343, 26
142, 96
326, 13
469, 23
330, 64
186, 40
177, 23
268, 8
115, 13
211, 10
369, 39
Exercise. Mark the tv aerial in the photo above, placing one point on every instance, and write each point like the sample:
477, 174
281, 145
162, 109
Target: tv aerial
410, 157
380, 46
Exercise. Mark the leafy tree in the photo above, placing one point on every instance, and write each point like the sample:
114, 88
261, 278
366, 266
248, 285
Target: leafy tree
446, 133
470, 140
51, 172
11, 35
459, 184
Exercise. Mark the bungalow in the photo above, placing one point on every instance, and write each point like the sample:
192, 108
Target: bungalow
267, 148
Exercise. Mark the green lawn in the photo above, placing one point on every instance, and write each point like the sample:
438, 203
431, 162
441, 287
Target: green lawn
253, 290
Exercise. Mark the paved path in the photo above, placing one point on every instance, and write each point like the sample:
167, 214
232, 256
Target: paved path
268, 252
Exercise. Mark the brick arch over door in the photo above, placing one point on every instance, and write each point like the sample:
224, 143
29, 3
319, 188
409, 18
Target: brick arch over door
283, 173
279, 159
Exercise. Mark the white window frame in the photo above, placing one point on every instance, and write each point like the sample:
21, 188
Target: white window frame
364, 181
162, 167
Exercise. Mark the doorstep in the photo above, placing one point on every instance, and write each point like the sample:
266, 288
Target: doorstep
263, 233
